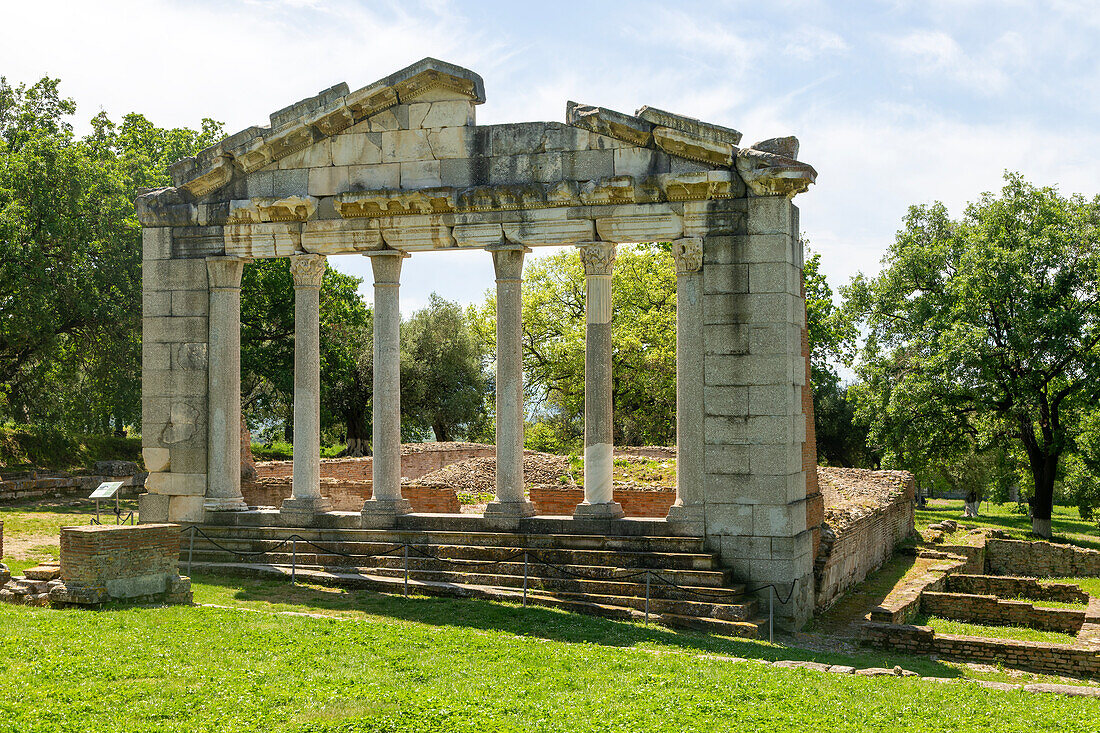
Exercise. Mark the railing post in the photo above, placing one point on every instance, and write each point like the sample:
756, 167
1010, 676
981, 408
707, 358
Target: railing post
525, 579
293, 560
771, 614
406, 546
647, 598
190, 550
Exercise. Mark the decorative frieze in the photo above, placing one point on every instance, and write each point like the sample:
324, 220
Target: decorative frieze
389, 202
219, 173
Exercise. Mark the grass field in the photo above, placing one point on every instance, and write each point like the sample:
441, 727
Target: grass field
1066, 523
1019, 633
364, 662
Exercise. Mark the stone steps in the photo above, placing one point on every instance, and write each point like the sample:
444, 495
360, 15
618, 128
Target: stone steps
511, 576
577, 603
361, 552
590, 573
682, 545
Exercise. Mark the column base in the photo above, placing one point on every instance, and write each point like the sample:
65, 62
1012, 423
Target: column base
383, 513
685, 520
603, 510
506, 514
303, 511
224, 504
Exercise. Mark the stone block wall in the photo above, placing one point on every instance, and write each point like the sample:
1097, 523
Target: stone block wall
761, 513
989, 610
63, 485
1016, 587
175, 304
1040, 559
102, 562
562, 500
862, 548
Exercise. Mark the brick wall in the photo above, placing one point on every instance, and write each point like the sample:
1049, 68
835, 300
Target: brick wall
1030, 656
989, 610
348, 495
416, 461
563, 500
1041, 559
862, 548
103, 555
1013, 587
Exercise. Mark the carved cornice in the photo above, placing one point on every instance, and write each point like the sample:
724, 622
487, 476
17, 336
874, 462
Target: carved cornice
688, 254
290, 208
308, 270
598, 258
769, 172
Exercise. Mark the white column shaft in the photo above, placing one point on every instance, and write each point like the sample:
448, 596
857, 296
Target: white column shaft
223, 461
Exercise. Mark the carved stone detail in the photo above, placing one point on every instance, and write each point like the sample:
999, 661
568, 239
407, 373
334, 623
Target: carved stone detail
291, 208
308, 270
688, 254
685, 145
598, 258
609, 122
388, 202
695, 128
210, 179
771, 174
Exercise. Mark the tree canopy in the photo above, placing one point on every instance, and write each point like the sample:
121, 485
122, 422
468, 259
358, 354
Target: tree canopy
984, 331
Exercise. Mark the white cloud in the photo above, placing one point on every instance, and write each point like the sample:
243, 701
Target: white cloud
808, 43
935, 53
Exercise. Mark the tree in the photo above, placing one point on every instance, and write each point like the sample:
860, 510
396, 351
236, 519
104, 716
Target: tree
643, 343
841, 437
267, 350
443, 377
986, 329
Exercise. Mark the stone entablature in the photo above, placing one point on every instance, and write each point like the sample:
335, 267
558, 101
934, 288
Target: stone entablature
401, 167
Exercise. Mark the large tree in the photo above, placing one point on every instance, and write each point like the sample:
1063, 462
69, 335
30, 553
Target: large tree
444, 382
987, 328
267, 351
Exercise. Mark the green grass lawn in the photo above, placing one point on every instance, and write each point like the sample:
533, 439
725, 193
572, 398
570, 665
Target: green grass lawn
1019, 633
374, 663
1065, 521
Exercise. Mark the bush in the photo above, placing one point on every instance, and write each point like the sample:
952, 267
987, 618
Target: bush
33, 447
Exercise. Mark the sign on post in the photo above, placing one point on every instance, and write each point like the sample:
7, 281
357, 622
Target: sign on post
106, 490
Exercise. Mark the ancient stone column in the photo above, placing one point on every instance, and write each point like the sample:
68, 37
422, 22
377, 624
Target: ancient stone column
598, 259
686, 515
510, 503
385, 504
307, 270
223, 457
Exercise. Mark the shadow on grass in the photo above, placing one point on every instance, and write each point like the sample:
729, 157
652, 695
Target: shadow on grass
536, 622
1066, 531
858, 601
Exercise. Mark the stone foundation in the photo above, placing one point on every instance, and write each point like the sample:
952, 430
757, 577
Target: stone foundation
992, 611
1031, 656
1013, 587
58, 485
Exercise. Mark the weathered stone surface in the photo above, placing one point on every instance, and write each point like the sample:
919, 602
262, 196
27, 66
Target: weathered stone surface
695, 128
767, 173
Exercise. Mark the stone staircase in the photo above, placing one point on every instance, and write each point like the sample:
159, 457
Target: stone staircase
591, 573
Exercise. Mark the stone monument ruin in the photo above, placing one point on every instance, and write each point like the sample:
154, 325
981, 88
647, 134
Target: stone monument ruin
399, 168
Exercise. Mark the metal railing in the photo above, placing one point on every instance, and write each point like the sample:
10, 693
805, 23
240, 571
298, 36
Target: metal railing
528, 560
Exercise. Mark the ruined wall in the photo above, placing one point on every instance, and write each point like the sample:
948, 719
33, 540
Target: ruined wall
992, 611
1041, 559
102, 562
862, 547
416, 460
1014, 587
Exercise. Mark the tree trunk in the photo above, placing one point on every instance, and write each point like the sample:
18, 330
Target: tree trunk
1042, 504
358, 434
441, 433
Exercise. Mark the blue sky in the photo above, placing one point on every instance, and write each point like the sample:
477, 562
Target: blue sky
895, 102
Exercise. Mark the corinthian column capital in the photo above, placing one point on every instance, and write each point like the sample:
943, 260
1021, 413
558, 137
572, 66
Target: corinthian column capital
598, 257
688, 254
307, 270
